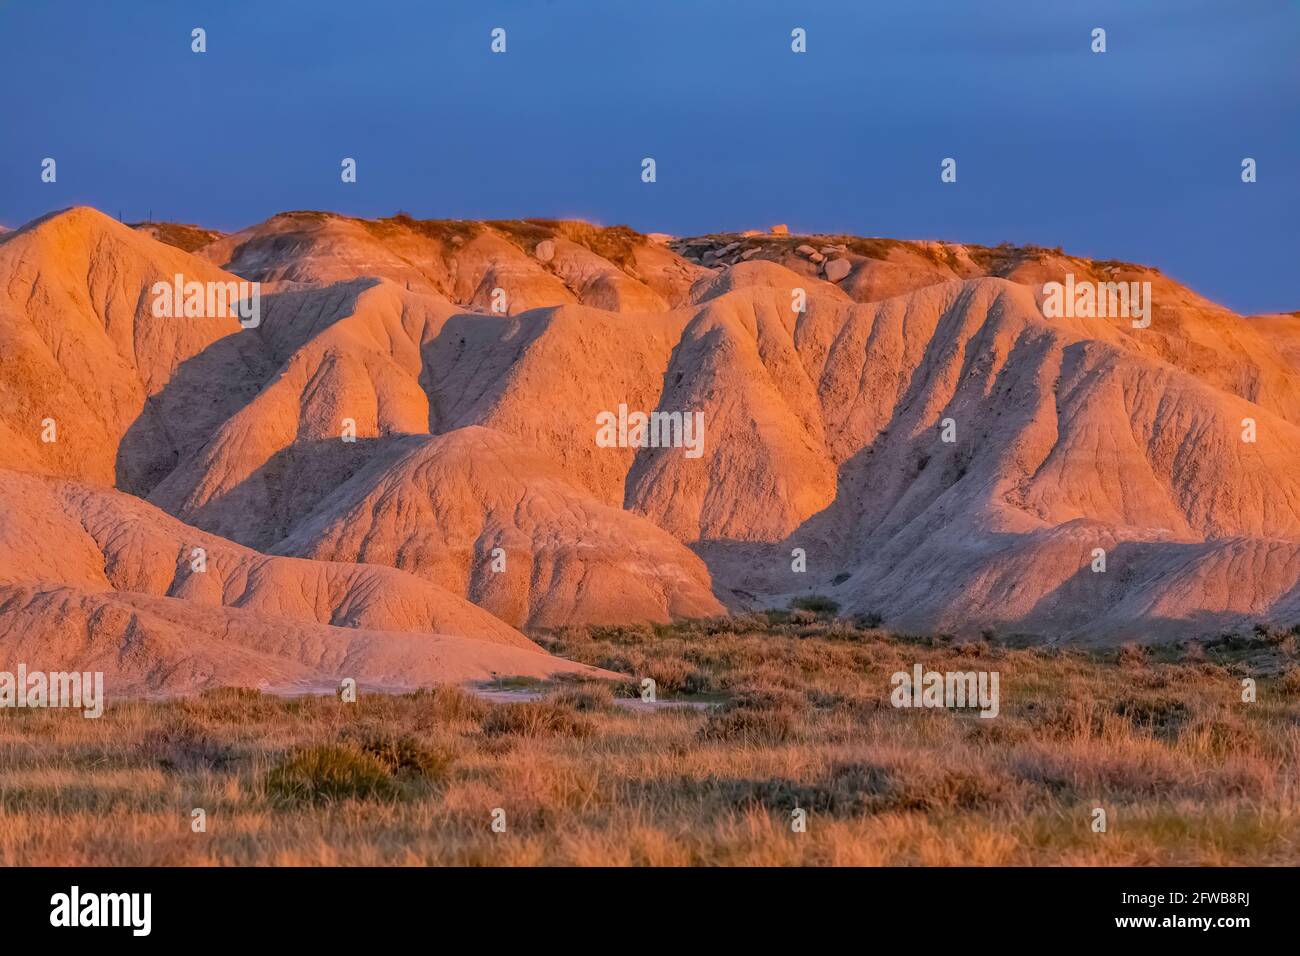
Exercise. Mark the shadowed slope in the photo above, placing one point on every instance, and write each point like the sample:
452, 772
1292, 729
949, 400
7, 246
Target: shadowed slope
442, 507
99, 540
79, 346
92, 579
145, 644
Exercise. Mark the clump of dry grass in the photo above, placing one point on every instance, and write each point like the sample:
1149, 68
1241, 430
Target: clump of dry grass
749, 726
238, 705
757, 717
542, 718
449, 705
185, 746
1133, 655
591, 697
1290, 681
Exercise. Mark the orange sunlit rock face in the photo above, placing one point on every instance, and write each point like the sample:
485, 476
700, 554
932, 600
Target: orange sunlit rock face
398, 466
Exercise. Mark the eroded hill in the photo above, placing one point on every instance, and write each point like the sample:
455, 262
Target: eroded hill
412, 429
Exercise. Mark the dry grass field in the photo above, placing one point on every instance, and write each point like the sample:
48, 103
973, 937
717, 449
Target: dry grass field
778, 712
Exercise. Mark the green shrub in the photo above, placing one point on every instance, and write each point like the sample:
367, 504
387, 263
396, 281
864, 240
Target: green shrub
817, 603
328, 773
405, 755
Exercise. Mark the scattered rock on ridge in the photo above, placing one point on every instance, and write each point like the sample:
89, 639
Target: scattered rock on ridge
837, 269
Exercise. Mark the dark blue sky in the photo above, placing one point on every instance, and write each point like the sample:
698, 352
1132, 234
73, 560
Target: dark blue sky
1132, 154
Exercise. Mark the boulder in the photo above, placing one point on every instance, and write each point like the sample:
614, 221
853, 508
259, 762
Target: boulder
837, 269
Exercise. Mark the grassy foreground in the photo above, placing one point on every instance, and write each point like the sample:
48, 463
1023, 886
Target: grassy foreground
788, 713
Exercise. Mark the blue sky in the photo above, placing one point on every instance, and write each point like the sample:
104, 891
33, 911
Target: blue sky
1132, 154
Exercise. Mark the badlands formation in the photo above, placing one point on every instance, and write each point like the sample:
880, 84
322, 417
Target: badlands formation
394, 473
